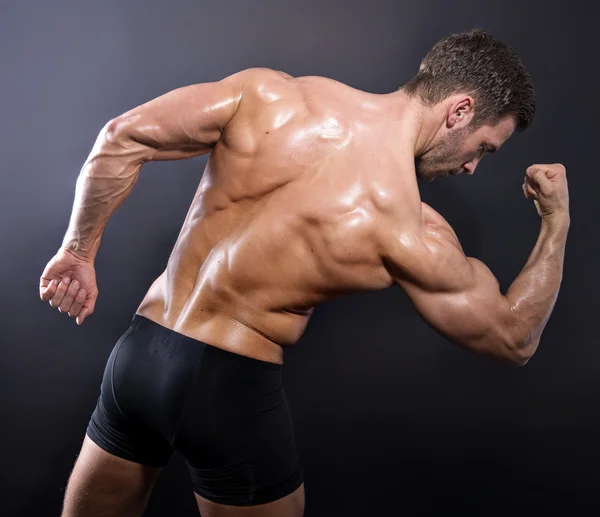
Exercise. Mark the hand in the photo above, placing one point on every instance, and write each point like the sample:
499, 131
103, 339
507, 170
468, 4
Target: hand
547, 186
69, 283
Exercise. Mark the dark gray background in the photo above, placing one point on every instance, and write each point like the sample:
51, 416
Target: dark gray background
391, 419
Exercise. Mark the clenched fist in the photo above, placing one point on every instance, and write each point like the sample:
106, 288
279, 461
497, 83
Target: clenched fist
547, 186
69, 284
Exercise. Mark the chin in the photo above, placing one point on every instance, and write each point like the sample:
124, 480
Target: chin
430, 175
424, 174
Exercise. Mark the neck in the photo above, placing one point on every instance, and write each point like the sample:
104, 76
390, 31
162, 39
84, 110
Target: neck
418, 123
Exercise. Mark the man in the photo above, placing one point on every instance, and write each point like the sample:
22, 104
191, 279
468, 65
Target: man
310, 192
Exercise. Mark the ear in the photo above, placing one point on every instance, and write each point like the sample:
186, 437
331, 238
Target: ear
461, 109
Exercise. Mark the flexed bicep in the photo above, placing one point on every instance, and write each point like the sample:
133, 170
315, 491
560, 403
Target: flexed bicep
456, 295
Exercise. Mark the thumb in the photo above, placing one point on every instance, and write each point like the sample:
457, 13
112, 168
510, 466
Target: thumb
82, 316
538, 175
87, 310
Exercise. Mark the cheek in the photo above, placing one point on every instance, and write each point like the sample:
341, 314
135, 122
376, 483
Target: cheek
457, 156
466, 155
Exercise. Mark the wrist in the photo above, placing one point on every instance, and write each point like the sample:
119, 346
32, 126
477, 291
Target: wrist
557, 224
79, 250
557, 218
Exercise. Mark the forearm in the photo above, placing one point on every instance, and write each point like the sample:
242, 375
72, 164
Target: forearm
106, 179
534, 292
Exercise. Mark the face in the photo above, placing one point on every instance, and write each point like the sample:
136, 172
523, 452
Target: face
461, 149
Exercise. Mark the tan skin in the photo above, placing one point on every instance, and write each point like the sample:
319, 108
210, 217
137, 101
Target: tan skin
310, 193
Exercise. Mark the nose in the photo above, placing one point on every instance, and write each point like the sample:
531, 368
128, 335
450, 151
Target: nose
470, 167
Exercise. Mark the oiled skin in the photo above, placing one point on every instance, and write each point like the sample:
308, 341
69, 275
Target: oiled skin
310, 192
287, 215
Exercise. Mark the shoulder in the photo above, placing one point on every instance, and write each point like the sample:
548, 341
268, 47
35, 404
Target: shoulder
256, 80
269, 84
420, 243
436, 229
257, 74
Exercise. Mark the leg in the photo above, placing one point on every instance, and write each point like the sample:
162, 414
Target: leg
291, 505
102, 484
122, 455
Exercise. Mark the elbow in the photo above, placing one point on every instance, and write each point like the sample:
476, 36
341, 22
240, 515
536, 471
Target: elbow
519, 361
518, 343
111, 136
121, 136
499, 350
519, 354
115, 129
112, 128
508, 352
509, 357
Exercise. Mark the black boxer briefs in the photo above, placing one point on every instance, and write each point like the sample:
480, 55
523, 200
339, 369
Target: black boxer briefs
225, 413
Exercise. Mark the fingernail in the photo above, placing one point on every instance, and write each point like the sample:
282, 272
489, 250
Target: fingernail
67, 281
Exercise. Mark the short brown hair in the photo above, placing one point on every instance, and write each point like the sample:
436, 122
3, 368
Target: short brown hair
479, 64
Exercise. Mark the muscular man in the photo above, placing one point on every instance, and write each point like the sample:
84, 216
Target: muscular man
310, 192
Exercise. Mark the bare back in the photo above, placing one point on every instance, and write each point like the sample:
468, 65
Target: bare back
285, 216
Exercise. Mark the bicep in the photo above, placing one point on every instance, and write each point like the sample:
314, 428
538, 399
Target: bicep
184, 122
458, 296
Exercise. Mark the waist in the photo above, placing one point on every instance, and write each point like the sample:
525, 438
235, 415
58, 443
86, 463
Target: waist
160, 334
247, 323
219, 331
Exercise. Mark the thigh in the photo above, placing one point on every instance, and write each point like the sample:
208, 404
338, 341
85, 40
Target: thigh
102, 484
292, 505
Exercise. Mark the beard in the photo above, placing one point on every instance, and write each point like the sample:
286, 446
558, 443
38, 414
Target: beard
438, 162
